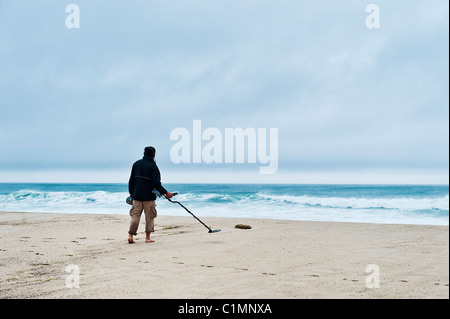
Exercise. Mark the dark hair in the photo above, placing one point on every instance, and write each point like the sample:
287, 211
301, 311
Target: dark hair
149, 151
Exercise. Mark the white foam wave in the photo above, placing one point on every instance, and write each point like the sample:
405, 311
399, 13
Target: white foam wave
441, 203
373, 210
76, 202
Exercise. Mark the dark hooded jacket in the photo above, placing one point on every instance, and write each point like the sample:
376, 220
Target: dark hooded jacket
144, 178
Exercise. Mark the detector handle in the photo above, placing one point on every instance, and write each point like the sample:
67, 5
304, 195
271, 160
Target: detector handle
160, 195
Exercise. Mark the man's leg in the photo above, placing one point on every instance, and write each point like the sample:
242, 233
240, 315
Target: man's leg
150, 215
135, 213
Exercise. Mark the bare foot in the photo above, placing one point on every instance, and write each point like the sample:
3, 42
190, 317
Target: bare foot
148, 240
130, 239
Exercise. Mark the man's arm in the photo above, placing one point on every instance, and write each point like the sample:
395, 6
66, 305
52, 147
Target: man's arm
131, 182
157, 182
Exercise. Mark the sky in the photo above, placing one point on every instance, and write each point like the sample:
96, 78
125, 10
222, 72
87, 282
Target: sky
351, 104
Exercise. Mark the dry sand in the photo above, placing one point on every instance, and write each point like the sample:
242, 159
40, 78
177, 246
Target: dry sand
274, 259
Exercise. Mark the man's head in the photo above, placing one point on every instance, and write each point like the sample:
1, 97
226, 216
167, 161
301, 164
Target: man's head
150, 151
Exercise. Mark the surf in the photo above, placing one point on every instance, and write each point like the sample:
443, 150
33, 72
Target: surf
343, 203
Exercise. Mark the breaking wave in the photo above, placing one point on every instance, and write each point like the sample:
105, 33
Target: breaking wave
407, 207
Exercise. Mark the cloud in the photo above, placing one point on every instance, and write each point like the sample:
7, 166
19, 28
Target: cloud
343, 96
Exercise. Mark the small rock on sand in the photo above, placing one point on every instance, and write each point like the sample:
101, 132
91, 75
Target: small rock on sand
243, 226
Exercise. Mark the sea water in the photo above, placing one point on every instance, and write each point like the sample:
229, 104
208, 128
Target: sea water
391, 204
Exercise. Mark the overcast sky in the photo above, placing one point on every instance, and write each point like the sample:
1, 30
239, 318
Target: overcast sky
351, 104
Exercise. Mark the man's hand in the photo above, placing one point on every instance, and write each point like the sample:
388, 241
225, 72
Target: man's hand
168, 195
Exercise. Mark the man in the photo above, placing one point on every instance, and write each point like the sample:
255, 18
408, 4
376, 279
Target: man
144, 178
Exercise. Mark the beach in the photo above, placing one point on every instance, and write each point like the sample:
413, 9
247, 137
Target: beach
49, 255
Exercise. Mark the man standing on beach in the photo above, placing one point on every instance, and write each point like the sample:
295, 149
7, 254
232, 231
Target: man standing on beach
144, 178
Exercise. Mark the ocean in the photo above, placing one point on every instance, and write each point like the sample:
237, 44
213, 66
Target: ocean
386, 204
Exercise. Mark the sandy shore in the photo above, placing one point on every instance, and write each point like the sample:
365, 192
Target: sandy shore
274, 259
